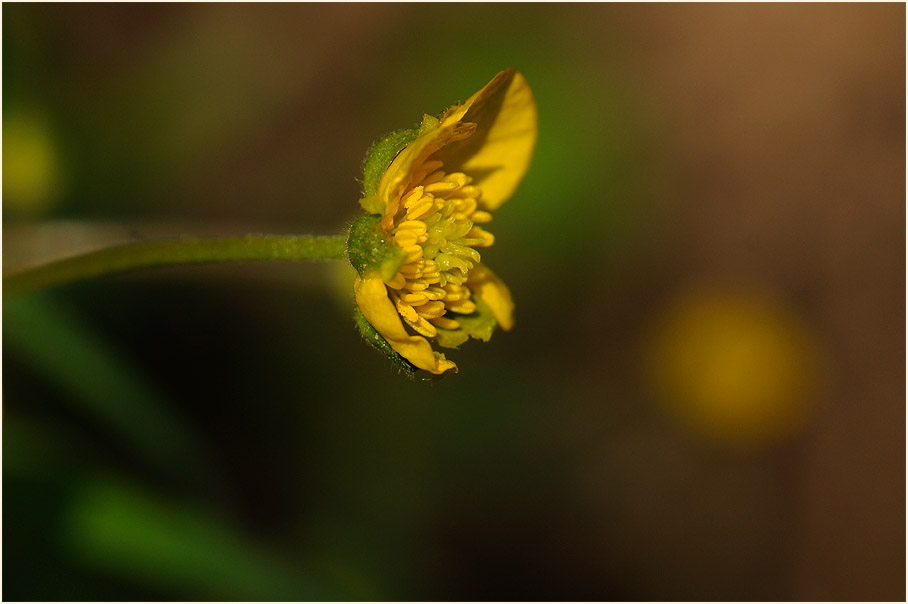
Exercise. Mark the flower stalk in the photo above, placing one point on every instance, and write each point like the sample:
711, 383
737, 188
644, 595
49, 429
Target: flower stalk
171, 252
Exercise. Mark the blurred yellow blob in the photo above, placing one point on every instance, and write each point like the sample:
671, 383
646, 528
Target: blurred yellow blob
31, 174
734, 366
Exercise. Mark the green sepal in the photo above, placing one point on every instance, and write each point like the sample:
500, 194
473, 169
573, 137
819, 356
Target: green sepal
376, 341
478, 325
451, 338
371, 251
380, 156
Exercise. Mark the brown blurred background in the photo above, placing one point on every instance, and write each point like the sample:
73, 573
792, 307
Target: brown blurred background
703, 397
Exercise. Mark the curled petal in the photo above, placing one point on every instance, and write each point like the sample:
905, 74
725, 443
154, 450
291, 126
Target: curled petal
498, 154
490, 289
372, 299
491, 137
397, 178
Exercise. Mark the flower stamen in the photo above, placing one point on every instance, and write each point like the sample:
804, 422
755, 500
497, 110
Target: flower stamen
437, 226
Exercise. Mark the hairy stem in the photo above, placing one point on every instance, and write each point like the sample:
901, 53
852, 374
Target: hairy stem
173, 252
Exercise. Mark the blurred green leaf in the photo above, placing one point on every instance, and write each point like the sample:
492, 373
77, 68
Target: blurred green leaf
81, 364
124, 530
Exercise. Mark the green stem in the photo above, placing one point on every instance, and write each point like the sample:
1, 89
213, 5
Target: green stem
172, 252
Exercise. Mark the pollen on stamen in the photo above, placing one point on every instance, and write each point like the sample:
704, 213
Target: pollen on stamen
398, 282
436, 223
422, 326
406, 311
433, 177
435, 293
441, 187
420, 208
432, 310
480, 217
465, 307
414, 299
445, 323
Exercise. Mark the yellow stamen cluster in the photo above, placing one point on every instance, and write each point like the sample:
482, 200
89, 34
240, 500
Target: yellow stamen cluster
436, 224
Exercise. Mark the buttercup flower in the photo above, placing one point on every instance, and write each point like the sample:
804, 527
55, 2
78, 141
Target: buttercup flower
430, 193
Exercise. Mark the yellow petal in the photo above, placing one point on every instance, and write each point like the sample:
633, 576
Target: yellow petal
490, 137
498, 154
398, 176
372, 299
490, 289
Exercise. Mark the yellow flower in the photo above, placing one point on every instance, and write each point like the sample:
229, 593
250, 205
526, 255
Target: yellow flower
432, 202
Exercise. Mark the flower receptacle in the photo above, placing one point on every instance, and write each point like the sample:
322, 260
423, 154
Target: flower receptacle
370, 251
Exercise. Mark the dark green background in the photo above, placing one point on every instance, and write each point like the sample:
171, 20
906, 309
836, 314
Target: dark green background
222, 433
